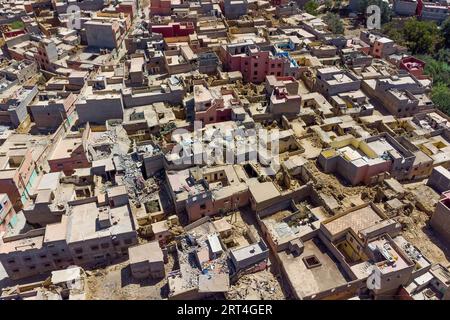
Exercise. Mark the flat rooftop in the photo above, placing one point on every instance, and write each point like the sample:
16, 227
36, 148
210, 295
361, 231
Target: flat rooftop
150, 252
306, 281
358, 220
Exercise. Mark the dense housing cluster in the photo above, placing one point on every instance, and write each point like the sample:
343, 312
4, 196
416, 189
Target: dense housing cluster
217, 148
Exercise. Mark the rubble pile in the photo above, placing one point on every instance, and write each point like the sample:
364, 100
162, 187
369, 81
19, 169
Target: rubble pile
257, 286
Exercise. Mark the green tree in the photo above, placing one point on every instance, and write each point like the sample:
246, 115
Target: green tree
393, 30
15, 25
438, 70
440, 95
328, 5
386, 12
311, 7
445, 29
422, 37
443, 55
334, 22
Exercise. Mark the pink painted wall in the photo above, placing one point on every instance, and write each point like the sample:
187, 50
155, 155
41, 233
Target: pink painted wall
254, 68
15, 186
7, 207
160, 7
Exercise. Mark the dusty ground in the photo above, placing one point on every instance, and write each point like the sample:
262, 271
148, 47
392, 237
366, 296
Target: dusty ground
257, 286
421, 235
350, 30
416, 224
425, 197
116, 283
331, 185
312, 150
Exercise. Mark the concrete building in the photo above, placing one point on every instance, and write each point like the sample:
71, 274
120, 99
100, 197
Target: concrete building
284, 98
71, 152
332, 80
406, 8
89, 243
136, 71
85, 5
102, 34
174, 29
368, 160
170, 91
250, 255
21, 71
439, 179
401, 95
46, 55
141, 122
433, 11
14, 104
52, 109
98, 108
432, 285
234, 9
146, 261
440, 220
352, 103
380, 46
48, 200
335, 261
8, 217
208, 62
211, 191
215, 104
160, 7
255, 62
17, 175
93, 233
180, 60
413, 65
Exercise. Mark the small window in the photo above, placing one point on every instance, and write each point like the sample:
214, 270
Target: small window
94, 248
78, 250
128, 241
203, 206
104, 245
